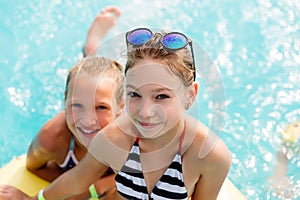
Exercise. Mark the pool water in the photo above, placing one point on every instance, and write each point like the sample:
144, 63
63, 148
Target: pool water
255, 46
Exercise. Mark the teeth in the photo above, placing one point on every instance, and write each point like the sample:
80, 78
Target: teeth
147, 123
88, 131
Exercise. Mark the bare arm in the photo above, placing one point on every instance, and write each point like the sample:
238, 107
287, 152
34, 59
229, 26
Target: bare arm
50, 143
72, 182
47, 146
76, 180
216, 167
103, 187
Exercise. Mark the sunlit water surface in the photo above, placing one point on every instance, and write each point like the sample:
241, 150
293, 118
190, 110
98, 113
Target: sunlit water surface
255, 45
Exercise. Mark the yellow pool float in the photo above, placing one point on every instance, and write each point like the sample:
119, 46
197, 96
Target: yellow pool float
15, 173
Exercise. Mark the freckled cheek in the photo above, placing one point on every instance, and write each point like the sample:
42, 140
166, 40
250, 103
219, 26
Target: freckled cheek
104, 119
159, 110
173, 110
132, 107
73, 115
70, 120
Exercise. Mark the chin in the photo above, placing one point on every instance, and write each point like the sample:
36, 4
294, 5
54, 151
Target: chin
151, 133
85, 141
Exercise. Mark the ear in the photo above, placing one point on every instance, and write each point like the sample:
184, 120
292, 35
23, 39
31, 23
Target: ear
192, 94
122, 105
120, 109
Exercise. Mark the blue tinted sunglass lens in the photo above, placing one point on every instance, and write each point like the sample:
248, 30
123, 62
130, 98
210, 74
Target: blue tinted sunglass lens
139, 36
174, 41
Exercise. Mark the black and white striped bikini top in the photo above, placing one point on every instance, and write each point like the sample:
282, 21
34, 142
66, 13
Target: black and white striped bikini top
131, 183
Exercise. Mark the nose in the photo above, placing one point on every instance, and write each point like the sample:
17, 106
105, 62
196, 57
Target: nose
89, 119
146, 109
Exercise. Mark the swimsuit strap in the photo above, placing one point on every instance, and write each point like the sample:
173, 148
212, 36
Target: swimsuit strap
70, 160
72, 143
137, 139
181, 139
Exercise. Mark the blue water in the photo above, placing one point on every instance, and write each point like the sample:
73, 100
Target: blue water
254, 44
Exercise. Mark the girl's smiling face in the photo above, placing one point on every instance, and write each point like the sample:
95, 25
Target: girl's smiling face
89, 106
155, 98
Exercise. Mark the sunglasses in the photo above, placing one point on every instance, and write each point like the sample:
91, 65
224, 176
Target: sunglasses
171, 42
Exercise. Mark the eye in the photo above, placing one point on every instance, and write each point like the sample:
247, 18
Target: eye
76, 105
162, 96
133, 94
101, 107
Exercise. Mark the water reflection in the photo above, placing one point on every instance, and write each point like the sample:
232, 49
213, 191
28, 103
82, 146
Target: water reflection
255, 45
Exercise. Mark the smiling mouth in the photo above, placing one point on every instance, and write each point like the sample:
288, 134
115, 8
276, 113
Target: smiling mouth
88, 131
147, 125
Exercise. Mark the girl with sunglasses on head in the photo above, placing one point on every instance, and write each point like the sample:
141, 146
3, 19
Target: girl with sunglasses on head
155, 149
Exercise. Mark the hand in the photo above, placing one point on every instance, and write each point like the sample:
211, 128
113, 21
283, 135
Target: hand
8, 192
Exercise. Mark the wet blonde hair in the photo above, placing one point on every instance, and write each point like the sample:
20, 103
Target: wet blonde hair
180, 61
99, 66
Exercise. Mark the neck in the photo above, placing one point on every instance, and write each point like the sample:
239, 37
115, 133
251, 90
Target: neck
159, 152
168, 140
79, 147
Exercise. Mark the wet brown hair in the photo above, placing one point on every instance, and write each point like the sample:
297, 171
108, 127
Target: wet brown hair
99, 66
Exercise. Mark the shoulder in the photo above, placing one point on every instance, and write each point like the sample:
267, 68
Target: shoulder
54, 135
121, 131
209, 158
195, 134
206, 145
112, 144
